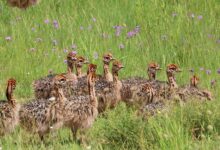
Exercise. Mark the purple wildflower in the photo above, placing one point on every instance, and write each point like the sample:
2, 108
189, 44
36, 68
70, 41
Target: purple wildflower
218, 71
65, 50
134, 32
200, 17
8, 38
130, 34
95, 55
47, 21
121, 46
33, 29
65, 61
117, 30
56, 24
208, 72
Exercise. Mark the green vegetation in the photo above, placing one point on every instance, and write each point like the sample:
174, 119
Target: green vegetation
34, 41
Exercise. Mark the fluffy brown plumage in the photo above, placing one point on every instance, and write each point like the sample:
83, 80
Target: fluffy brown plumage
22, 4
151, 109
144, 95
73, 86
9, 110
107, 92
192, 91
167, 89
40, 115
131, 85
147, 100
80, 111
171, 70
110, 94
43, 86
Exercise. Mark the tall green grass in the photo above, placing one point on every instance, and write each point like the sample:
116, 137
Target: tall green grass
171, 31
194, 125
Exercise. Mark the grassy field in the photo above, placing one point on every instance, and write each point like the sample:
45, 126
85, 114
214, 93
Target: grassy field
187, 33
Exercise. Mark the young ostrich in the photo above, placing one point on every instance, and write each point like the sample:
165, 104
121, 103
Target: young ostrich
144, 95
171, 70
71, 61
9, 110
22, 4
79, 87
131, 86
107, 58
79, 64
192, 91
148, 102
41, 116
167, 89
102, 81
110, 94
152, 70
44, 86
81, 111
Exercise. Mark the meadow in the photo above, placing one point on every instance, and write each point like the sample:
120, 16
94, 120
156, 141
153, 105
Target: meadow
35, 41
